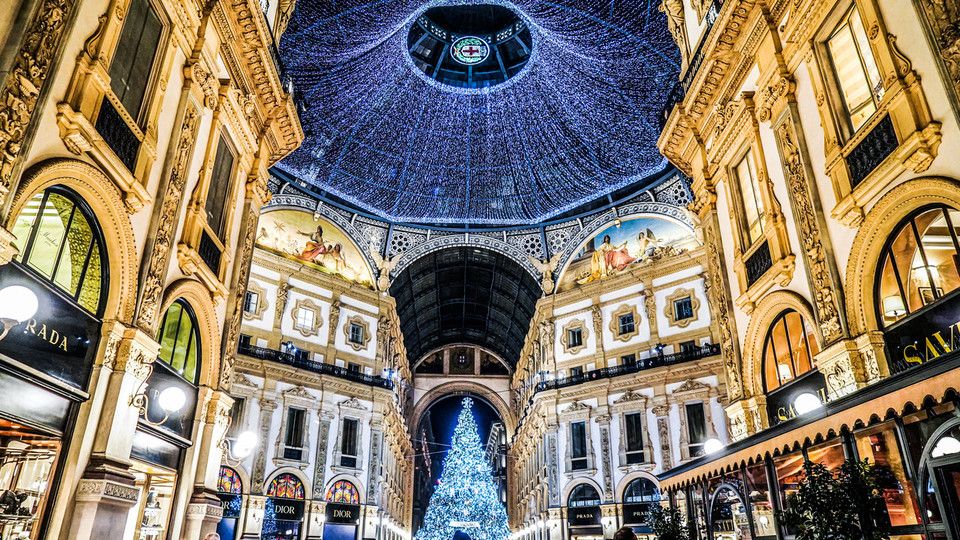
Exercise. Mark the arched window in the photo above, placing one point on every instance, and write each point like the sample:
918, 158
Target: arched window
229, 482
583, 495
286, 486
641, 490
789, 350
59, 238
180, 341
343, 492
919, 264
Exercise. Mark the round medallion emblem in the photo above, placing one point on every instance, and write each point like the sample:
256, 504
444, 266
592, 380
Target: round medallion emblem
470, 50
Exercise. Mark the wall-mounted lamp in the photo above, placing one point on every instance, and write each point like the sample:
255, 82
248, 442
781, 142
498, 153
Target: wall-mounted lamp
171, 399
240, 448
806, 403
893, 306
712, 446
17, 304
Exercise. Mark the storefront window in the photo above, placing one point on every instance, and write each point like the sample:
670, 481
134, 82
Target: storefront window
728, 516
584, 495
789, 350
761, 504
829, 454
697, 504
156, 487
180, 341
878, 444
284, 509
59, 239
27, 463
919, 265
789, 470
230, 492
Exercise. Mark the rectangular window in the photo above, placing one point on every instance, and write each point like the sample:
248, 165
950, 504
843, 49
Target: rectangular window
306, 318
356, 334
855, 69
683, 309
628, 360
236, 416
634, 423
750, 197
349, 442
574, 338
134, 57
576, 371
245, 340
696, 428
354, 367
626, 324
219, 186
688, 347
251, 301
293, 439
578, 446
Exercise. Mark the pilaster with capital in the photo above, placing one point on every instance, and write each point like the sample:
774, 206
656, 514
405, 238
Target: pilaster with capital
606, 465
257, 477
661, 410
747, 416
320, 467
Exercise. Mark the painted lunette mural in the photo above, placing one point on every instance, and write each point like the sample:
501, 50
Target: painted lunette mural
315, 242
621, 247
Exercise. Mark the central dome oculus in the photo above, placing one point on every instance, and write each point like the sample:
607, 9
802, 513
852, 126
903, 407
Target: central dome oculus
473, 46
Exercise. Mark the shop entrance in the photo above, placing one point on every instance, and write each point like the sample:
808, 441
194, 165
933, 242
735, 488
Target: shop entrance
729, 515
948, 481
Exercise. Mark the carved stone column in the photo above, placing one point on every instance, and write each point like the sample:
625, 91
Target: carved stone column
662, 412
267, 406
320, 467
106, 491
253, 523
24, 88
553, 472
747, 416
8, 251
204, 510
256, 196
606, 466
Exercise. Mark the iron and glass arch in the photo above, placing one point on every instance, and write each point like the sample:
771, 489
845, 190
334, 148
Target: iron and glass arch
60, 240
788, 350
180, 340
920, 263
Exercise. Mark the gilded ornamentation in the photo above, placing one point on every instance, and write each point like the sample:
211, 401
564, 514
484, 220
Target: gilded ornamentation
26, 78
673, 9
810, 235
942, 17
359, 321
307, 328
152, 290
614, 326
722, 318
575, 324
670, 309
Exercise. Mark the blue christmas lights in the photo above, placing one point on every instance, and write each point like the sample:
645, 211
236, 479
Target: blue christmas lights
465, 497
579, 122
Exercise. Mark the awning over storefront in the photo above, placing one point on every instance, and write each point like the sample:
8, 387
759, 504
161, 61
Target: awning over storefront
937, 381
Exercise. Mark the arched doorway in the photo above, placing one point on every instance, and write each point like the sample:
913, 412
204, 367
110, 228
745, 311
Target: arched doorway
639, 498
583, 513
728, 515
283, 510
940, 480
343, 511
230, 492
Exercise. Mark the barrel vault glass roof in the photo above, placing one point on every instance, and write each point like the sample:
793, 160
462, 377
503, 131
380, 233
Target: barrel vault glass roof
572, 122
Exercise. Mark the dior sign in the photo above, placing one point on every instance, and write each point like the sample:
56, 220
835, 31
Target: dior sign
343, 513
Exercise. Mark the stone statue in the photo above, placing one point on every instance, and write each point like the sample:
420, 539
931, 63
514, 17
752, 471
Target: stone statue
546, 267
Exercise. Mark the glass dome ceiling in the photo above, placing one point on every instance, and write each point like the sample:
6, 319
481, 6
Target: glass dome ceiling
574, 120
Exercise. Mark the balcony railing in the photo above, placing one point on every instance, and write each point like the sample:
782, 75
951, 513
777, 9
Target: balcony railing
758, 263
872, 150
661, 360
322, 368
117, 134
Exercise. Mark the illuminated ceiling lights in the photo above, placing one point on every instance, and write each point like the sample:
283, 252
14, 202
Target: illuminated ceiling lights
423, 136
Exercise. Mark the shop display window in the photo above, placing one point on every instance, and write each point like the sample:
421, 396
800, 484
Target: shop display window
27, 463
761, 504
729, 516
698, 506
878, 444
155, 502
920, 427
829, 454
789, 471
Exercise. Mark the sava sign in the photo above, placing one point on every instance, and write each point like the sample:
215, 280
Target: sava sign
925, 337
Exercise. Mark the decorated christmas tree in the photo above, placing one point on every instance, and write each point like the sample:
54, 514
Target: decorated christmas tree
466, 498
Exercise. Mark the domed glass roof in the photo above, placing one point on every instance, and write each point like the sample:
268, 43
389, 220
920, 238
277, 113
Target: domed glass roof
571, 117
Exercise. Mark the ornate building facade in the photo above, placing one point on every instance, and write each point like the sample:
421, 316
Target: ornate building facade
321, 380
136, 138
819, 136
619, 380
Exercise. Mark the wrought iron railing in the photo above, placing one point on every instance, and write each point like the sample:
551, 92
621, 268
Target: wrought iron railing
660, 360
872, 150
117, 134
758, 263
263, 353
210, 252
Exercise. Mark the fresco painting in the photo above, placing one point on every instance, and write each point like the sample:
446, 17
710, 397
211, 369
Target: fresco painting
317, 243
619, 248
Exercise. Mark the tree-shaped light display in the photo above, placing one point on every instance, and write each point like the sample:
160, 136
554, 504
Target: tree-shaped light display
465, 498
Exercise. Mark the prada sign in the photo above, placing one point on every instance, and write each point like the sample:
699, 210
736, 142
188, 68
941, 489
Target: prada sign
343, 513
59, 339
583, 516
286, 509
924, 337
636, 514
